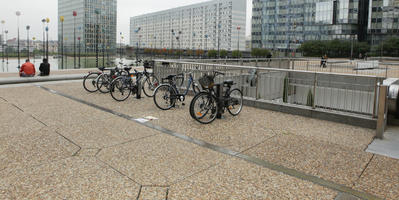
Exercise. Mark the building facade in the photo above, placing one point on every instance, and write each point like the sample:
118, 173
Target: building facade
284, 24
95, 20
217, 24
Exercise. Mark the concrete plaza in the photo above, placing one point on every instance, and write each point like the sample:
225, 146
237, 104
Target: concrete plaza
59, 142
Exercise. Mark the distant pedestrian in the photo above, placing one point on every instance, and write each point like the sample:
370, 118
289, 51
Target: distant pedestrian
27, 69
44, 68
365, 56
323, 62
360, 56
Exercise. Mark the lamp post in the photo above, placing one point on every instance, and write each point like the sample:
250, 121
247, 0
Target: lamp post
206, 42
6, 32
62, 41
238, 37
173, 35
219, 26
97, 12
120, 46
47, 29
66, 57
79, 51
2, 32
33, 48
18, 14
27, 32
74, 14
44, 39
103, 45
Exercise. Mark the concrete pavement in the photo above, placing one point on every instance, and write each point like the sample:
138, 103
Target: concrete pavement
70, 149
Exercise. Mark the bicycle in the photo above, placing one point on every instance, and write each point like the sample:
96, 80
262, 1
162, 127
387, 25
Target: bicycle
150, 81
90, 80
207, 105
122, 86
104, 80
166, 95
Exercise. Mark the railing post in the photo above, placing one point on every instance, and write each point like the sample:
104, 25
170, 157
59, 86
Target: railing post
386, 71
314, 91
375, 99
382, 111
257, 85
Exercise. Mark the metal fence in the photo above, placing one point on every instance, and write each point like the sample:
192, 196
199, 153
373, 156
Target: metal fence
331, 91
385, 68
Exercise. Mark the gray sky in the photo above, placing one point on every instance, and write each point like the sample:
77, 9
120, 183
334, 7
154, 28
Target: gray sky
33, 11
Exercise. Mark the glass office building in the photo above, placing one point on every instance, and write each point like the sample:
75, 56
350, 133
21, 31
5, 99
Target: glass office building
383, 22
284, 24
88, 24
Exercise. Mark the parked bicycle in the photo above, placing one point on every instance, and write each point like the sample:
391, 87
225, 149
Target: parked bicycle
166, 95
207, 105
90, 80
104, 80
150, 81
123, 86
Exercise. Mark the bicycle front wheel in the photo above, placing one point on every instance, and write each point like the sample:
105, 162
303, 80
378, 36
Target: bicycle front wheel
234, 103
103, 83
149, 85
90, 82
120, 89
203, 108
165, 97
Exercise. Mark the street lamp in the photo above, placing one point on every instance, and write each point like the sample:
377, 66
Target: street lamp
97, 12
2, 30
27, 32
219, 26
74, 14
48, 21
18, 13
79, 51
62, 41
120, 46
206, 42
33, 48
44, 38
6, 32
238, 37
173, 35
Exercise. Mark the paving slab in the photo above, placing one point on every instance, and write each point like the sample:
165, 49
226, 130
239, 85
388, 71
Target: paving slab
33, 147
388, 146
71, 178
237, 179
159, 160
329, 161
106, 133
381, 178
153, 193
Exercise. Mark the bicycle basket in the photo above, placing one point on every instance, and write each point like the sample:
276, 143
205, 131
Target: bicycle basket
206, 81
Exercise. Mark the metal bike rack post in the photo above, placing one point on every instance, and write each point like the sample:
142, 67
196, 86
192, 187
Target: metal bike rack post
219, 95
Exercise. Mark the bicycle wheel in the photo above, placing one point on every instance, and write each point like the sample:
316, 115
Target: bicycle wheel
89, 82
234, 105
120, 89
196, 89
103, 82
149, 85
203, 108
165, 97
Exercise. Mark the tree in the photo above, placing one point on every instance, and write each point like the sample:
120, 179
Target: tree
223, 53
236, 54
260, 53
212, 53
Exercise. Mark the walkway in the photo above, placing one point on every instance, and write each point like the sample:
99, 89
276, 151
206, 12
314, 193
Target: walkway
73, 144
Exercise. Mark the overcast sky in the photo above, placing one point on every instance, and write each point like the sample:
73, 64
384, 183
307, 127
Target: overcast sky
33, 11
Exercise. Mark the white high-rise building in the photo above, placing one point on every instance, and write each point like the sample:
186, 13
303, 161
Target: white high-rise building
217, 24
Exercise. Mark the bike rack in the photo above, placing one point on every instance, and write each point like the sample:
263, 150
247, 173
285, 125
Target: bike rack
219, 95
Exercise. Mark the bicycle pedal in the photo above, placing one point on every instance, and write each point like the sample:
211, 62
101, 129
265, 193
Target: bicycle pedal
183, 104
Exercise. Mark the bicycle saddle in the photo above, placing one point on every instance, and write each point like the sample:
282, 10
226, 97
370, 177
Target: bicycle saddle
228, 82
101, 68
127, 68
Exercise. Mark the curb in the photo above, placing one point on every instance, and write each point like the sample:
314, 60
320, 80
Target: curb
19, 80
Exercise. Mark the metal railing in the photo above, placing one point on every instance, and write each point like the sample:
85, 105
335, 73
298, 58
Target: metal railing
387, 68
329, 91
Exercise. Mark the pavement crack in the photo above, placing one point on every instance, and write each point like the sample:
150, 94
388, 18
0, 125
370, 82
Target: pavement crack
119, 172
129, 141
263, 141
80, 148
4, 99
198, 172
364, 170
138, 195
17, 107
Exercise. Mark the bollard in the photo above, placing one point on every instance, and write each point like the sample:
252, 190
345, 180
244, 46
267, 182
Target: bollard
139, 88
382, 111
219, 94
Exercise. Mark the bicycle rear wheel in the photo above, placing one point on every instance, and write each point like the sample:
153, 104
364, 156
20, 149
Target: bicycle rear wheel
203, 108
149, 85
120, 89
90, 82
165, 97
234, 105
